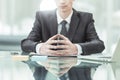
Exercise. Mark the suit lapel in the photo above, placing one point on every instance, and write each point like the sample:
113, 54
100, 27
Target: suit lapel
53, 24
73, 25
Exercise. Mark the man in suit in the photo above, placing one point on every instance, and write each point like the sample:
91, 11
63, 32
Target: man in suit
81, 37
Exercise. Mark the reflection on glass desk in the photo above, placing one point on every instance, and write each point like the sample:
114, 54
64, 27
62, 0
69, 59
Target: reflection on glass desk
19, 67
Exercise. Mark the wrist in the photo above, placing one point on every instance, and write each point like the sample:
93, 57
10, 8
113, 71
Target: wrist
75, 50
79, 49
38, 48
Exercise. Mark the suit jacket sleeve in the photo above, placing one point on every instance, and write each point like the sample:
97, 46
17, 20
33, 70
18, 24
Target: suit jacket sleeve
92, 42
29, 44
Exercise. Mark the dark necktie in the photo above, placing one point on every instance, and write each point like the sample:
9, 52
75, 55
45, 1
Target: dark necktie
63, 30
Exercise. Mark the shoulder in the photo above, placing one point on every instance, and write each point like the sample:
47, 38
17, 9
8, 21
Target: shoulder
82, 14
85, 14
45, 13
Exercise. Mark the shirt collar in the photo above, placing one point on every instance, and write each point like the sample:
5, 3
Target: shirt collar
59, 19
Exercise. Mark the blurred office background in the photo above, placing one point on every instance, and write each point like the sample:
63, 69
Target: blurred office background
17, 17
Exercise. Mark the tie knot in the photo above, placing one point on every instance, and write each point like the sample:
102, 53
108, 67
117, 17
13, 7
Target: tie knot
63, 22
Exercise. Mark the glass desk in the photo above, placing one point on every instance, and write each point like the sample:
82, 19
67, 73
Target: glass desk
19, 67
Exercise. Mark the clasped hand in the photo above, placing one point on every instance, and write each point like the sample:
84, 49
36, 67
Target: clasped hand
58, 45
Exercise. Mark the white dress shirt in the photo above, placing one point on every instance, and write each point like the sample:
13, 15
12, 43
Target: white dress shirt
59, 20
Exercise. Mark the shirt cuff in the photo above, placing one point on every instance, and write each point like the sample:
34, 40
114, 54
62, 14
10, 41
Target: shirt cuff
38, 46
79, 48
79, 53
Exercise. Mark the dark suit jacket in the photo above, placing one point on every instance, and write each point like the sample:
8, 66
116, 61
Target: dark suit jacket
81, 31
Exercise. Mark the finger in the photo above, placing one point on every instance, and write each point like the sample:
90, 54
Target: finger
52, 47
62, 42
52, 42
62, 47
48, 52
57, 42
63, 37
62, 52
54, 37
53, 53
47, 47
